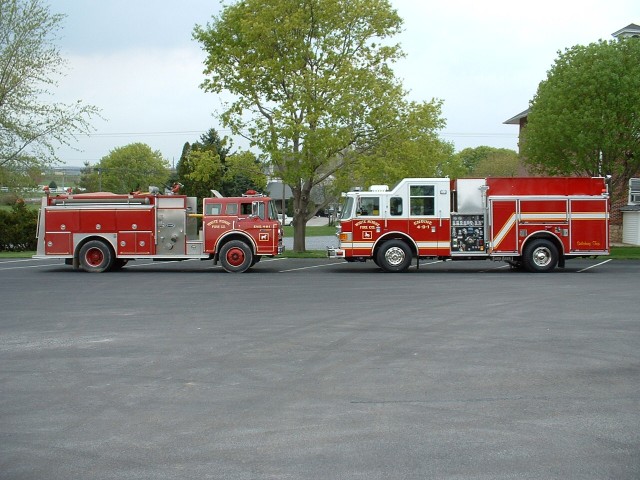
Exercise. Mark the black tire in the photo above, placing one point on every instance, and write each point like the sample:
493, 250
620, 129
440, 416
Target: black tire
540, 256
96, 257
394, 256
236, 256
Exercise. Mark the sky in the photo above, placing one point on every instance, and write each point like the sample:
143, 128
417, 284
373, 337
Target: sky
137, 62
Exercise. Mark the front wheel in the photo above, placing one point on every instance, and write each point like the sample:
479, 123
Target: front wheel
540, 256
95, 257
236, 256
394, 256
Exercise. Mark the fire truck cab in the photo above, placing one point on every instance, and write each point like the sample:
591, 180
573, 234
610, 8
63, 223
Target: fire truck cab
535, 223
103, 231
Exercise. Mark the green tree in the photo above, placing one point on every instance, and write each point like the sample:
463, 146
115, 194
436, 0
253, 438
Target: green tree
202, 165
501, 162
584, 117
312, 81
410, 148
31, 124
89, 178
484, 161
131, 168
243, 172
470, 157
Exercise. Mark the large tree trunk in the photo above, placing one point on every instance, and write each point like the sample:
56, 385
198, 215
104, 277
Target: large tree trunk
301, 198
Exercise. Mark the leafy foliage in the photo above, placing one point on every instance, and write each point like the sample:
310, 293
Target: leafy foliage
18, 228
411, 148
130, 168
201, 165
484, 161
584, 117
243, 172
31, 125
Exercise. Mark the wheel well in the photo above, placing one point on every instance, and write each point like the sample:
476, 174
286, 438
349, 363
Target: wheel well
547, 236
235, 236
395, 236
76, 252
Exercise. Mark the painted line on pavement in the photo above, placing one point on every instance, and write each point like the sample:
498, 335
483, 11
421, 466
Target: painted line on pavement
313, 266
594, 266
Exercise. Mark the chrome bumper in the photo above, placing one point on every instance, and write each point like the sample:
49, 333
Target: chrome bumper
333, 252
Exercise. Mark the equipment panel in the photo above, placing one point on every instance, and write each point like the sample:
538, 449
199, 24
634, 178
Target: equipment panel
467, 233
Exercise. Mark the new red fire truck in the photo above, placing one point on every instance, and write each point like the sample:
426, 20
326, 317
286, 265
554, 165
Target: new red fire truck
535, 223
103, 231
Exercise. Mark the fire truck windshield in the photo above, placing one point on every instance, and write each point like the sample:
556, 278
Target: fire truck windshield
347, 208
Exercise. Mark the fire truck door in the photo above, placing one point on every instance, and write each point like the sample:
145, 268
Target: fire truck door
504, 226
589, 229
429, 217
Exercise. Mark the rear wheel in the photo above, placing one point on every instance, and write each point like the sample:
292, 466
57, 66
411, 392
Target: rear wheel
96, 257
540, 256
394, 256
236, 256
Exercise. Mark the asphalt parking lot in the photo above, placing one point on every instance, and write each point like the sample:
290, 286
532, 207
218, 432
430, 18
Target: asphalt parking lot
319, 369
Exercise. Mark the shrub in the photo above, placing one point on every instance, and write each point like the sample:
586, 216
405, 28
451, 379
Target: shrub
18, 228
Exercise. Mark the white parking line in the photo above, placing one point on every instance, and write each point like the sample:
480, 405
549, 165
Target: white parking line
426, 263
17, 261
29, 266
313, 266
594, 266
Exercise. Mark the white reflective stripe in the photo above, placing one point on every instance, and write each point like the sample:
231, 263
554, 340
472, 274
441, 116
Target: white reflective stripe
527, 217
590, 216
358, 245
504, 230
427, 244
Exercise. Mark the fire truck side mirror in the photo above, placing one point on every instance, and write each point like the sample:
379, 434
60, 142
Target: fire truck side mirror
255, 209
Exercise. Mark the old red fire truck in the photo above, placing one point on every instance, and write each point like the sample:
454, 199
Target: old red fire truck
103, 231
535, 223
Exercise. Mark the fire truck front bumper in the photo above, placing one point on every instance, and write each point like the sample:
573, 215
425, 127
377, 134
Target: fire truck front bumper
333, 252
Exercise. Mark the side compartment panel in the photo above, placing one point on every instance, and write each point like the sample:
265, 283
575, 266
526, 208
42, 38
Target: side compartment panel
135, 243
58, 243
504, 227
589, 225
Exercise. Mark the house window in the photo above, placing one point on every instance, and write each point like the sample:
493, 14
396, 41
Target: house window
634, 191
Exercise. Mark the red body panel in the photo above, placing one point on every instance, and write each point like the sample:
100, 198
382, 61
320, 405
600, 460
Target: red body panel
504, 227
523, 186
589, 226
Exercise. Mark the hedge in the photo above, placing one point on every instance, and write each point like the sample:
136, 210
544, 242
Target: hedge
18, 228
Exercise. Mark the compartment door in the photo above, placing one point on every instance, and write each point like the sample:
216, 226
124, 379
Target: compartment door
504, 226
589, 225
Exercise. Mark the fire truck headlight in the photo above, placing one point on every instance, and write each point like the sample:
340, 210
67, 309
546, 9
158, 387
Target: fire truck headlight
345, 237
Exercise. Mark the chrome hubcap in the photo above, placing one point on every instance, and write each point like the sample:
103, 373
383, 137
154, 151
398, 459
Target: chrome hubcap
542, 256
394, 256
